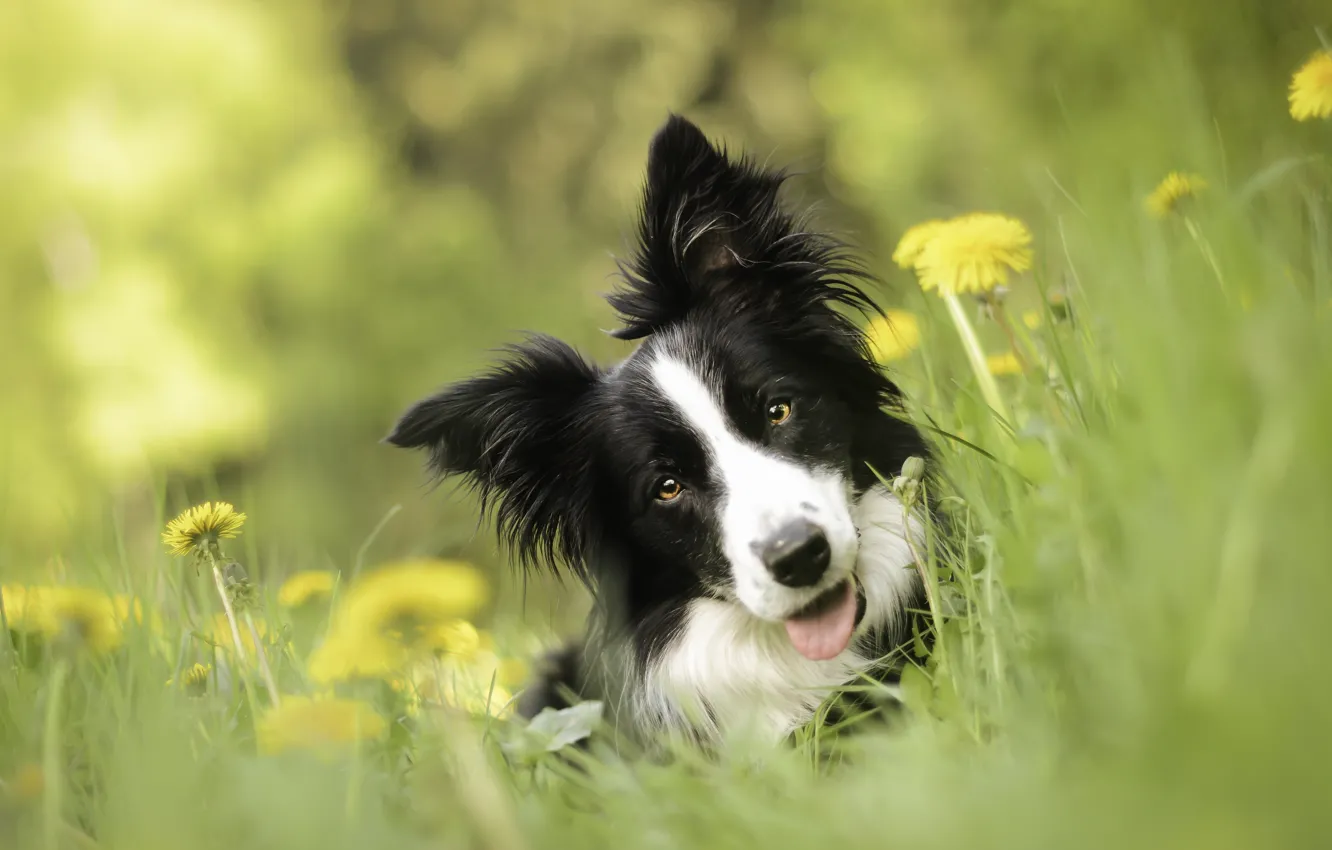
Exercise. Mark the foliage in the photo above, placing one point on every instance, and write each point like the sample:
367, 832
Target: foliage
238, 238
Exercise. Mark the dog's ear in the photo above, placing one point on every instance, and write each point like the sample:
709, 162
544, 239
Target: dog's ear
514, 434
709, 221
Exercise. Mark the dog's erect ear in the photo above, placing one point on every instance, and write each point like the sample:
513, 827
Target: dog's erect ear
701, 201
693, 225
514, 434
707, 221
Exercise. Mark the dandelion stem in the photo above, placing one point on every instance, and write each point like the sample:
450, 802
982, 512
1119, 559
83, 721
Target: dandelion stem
1205, 248
242, 668
930, 580
264, 669
51, 769
369, 541
226, 607
989, 389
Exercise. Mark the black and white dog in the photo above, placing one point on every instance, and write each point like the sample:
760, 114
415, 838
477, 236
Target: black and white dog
718, 491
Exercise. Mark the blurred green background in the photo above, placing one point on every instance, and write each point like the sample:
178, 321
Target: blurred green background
238, 238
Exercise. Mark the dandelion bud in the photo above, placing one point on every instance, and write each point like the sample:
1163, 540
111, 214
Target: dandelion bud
244, 595
906, 490
914, 468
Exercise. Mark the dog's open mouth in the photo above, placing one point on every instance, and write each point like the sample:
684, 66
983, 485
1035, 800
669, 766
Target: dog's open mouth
823, 628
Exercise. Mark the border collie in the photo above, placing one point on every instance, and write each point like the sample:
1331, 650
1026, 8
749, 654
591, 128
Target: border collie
719, 491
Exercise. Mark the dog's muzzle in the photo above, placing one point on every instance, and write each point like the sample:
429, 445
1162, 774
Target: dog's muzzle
797, 555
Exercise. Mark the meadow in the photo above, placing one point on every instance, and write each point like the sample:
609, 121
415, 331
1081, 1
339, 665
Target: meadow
1130, 404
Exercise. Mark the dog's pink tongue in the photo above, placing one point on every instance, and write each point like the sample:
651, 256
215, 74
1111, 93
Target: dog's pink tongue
825, 635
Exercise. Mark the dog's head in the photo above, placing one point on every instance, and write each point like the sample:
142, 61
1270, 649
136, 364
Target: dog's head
723, 457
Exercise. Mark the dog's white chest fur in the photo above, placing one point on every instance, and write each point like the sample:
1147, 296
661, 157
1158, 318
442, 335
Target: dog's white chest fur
731, 672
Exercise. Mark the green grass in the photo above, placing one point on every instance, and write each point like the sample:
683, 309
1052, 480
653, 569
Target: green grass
1135, 652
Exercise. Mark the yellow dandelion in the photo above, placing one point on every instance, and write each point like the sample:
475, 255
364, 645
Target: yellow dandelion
194, 680
1003, 364
219, 635
458, 638
13, 597
974, 253
913, 242
403, 601
467, 688
200, 525
512, 672
127, 608
493, 701
304, 587
1033, 319
88, 617
389, 617
411, 698
322, 725
893, 337
344, 657
1175, 189
1311, 88
131, 609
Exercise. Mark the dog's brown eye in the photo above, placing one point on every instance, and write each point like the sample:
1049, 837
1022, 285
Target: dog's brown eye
779, 412
669, 489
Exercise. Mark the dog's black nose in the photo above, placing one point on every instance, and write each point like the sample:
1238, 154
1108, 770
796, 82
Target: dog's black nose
797, 555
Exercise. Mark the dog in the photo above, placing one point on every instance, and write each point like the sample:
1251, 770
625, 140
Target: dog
721, 491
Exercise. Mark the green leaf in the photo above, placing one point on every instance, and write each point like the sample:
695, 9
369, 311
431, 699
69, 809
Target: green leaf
917, 691
554, 729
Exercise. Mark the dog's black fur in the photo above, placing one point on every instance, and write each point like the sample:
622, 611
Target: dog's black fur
572, 459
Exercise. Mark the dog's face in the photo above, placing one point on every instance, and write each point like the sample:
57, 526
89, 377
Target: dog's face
735, 459
722, 457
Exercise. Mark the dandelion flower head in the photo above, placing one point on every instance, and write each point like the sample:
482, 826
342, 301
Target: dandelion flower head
86, 615
974, 254
194, 680
512, 671
913, 242
458, 638
14, 596
200, 525
131, 609
471, 689
322, 725
1176, 188
397, 612
343, 657
1311, 88
1003, 364
219, 634
403, 601
305, 587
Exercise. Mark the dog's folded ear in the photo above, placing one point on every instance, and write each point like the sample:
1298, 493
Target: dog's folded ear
709, 221
514, 434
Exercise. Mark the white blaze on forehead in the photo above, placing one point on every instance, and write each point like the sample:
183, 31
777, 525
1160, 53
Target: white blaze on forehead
759, 493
